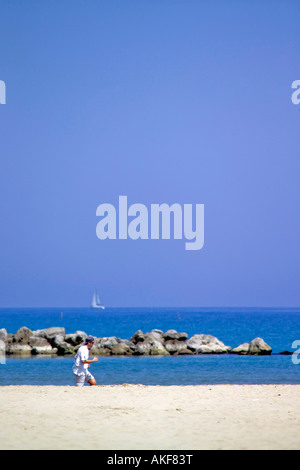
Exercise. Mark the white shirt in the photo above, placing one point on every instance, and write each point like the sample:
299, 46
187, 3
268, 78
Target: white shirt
82, 355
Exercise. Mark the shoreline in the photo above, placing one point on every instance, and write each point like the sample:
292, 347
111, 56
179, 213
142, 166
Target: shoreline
150, 417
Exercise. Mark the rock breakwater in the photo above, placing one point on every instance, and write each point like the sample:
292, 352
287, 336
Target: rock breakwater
55, 341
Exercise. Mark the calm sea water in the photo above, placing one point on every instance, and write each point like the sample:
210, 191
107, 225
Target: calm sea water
278, 327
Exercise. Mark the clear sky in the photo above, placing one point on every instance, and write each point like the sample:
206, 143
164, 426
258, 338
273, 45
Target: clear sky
163, 101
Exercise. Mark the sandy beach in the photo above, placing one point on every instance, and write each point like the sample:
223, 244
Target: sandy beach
150, 417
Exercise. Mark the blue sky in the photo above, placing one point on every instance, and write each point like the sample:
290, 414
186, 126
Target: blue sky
163, 101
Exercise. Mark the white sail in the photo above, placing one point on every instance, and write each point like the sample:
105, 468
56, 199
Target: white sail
96, 303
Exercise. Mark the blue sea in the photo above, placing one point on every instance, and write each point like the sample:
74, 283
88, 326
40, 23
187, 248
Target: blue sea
278, 327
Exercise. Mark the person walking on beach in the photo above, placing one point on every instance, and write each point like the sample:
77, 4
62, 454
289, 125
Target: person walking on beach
82, 363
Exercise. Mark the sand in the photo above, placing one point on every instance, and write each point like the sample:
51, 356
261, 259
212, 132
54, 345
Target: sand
136, 417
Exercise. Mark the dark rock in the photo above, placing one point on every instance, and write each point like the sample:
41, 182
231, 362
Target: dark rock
154, 335
137, 337
258, 347
175, 346
18, 349
206, 344
41, 346
150, 346
64, 349
242, 349
50, 332
22, 335
76, 338
98, 350
173, 334
121, 349
109, 342
185, 351
56, 340
142, 348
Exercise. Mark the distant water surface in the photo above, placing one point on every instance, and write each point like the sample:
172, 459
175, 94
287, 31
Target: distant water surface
234, 326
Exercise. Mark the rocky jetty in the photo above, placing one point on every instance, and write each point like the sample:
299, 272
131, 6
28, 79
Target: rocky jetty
55, 341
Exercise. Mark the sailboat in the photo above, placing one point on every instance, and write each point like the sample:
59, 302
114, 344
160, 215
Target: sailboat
96, 303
